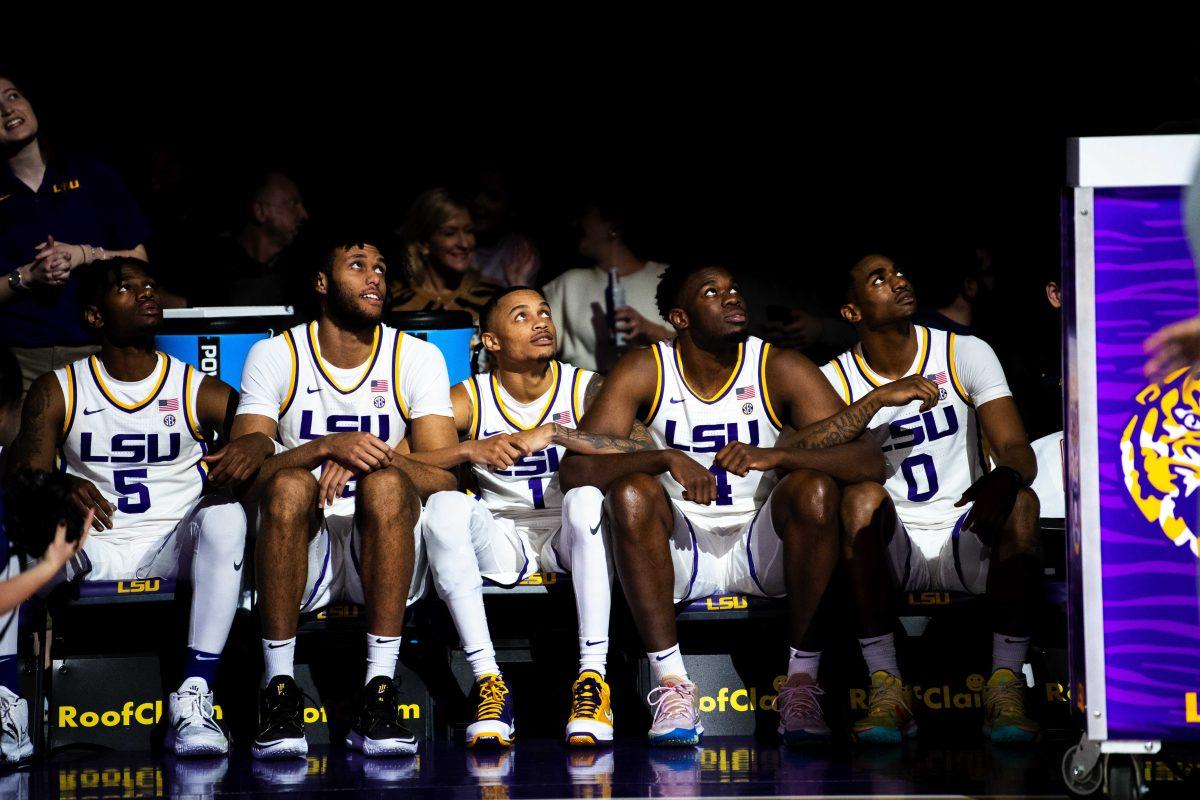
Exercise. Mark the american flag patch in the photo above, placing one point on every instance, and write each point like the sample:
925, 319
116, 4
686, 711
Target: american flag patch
563, 418
939, 378
168, 405
745, 392
379, 386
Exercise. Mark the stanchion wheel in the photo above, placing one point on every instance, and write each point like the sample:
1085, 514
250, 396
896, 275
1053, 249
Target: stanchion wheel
1079, 780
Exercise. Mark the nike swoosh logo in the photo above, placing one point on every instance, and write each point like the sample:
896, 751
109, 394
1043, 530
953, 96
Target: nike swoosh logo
208, 658
87, 412
676, 400
387, 641
491, 433
599, 525
276, 646
473, 652
238, 565
590, 643
664, 658
314, 391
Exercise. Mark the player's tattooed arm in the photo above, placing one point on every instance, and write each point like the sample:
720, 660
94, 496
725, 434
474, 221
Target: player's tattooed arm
42, 419
236, 460
581, 441
843, 427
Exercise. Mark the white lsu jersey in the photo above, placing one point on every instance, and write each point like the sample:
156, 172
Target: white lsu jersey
140, 443
932, 456
741, 411
286, 378
528, 491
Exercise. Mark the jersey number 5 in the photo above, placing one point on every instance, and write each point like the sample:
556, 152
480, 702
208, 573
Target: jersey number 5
135, 497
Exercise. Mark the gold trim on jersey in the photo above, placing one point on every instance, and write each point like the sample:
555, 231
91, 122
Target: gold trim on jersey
295, 371
496, 386
658, 385
164, 365
737, 370
841, 371
69, 417
576, 404
473, 397
922, 360
396, 393
316, 351
958, 387
189, 407
762, 381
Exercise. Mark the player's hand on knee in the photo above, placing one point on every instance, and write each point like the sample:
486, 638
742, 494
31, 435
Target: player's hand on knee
60, 551
238, 460
994, 496
699, 485
902, 392
88, 499
334, 478
358, 450
494, 452
739, 458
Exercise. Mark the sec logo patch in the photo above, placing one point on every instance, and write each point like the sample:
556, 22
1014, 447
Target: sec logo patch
380, 402
169, 420
747, 408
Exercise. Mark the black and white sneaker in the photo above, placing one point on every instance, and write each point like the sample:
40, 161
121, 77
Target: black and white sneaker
280, 721
377, 730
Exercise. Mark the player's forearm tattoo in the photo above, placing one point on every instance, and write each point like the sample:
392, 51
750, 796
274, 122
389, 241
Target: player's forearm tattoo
843, 427
637, 441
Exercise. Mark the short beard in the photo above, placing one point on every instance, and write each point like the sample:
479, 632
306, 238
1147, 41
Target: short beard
345, 313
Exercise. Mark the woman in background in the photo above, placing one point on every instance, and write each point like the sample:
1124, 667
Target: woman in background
438, 271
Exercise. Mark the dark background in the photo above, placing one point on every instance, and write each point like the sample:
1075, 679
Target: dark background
784, 166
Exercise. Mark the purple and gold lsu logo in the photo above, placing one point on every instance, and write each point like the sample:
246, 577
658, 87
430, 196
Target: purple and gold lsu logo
1160, 455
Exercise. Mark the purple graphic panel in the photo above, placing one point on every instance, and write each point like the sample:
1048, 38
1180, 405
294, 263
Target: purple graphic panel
1149, 444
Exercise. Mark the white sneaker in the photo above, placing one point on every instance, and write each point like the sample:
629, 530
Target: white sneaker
15, 744
194, 730
676, 713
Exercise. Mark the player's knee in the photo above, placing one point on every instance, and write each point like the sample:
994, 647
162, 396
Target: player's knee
447, 517
861, 505
583, 506
811, 497
223, 527
290, 494
387, 492
630, 502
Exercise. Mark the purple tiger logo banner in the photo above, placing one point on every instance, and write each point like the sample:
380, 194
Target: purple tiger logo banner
1149, 444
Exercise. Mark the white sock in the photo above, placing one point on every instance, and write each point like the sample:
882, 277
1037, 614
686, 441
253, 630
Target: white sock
582, 548
593, 655
1009, 652
482, 658
218, 556
880, 654
667, 662
805, 662
279, 658
449, 517
382, 654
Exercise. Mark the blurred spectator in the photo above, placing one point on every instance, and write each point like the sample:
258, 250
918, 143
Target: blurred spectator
502, 255
577, 298
438, 272
58, 211
956, 283
256, 266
